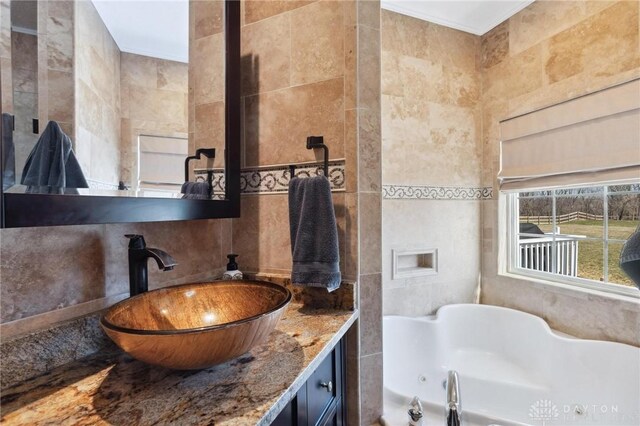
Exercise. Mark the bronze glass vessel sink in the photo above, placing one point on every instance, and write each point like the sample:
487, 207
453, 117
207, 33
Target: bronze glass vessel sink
195, 326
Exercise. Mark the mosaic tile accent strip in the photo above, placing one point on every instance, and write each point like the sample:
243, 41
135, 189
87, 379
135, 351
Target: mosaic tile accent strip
273, 180
422, 192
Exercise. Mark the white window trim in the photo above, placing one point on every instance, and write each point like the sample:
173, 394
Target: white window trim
508, 224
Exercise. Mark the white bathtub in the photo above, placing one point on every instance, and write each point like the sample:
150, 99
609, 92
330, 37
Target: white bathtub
513, 370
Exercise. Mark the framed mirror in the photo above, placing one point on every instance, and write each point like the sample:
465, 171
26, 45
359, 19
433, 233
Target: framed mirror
119, 111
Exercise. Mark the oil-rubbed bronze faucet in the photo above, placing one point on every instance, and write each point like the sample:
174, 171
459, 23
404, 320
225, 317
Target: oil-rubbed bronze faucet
138, 256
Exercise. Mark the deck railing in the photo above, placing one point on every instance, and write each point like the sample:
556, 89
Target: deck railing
536, 253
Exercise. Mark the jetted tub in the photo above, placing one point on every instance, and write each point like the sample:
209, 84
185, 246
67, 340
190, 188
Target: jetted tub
513, 370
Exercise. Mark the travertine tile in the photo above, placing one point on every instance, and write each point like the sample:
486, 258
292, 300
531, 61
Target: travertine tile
60, 42
351, 149
256, 10
495, 45
608, 42
369, 151
69, 268
138, 70
368, 68
25, 80
6, 85
210, 131
371, 314
261, 235
209, 78
60, 85
159, 106
266, 53
350, 66
371, 386
370, 216
414, 37
369, 13
522, 73
208, 16
317, 42
429, 143
543, 19
512, 293
413, 301
590, 317
351, 270
277, 123
24, 51
5, 29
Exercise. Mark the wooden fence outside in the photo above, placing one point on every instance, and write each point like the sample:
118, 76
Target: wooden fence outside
569, 217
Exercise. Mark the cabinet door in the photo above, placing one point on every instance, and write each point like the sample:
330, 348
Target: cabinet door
319, 402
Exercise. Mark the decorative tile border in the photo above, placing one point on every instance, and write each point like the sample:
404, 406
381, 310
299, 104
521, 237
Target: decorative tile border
273, 180
263, 180
423, 192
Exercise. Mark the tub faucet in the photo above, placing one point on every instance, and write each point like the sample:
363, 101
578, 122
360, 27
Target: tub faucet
138, 256
453, 410
415, 412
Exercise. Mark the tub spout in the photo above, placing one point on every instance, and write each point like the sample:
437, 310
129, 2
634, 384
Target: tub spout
415, 412
453, 409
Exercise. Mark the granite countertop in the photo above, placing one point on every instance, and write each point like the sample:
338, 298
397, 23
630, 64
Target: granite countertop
113, 388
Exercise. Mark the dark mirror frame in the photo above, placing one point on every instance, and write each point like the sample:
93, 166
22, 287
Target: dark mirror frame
28, 210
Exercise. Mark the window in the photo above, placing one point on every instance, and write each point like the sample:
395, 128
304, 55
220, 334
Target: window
573, 235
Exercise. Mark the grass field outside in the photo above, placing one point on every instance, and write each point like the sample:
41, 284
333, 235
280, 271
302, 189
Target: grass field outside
591, 252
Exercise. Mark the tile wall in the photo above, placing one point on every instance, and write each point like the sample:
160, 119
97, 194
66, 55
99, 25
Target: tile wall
309, 68
547, 53
153, 101
313, 68
6, 80
206, 79
97, 93
56, 50
431, 174
25, 94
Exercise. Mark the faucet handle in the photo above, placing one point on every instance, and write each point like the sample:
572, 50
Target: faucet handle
136, 241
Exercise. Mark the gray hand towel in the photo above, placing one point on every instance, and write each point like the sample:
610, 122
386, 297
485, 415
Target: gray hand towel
314, 233
195, 190
52, 162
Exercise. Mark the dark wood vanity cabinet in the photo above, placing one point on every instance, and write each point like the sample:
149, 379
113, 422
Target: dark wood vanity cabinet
320, 401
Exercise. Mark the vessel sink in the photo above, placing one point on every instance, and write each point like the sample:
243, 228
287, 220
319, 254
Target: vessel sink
195, 326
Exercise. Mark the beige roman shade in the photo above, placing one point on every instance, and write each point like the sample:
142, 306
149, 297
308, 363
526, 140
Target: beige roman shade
587, 140
161, 161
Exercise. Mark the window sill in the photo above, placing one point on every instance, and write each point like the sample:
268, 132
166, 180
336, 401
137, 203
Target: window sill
632, 295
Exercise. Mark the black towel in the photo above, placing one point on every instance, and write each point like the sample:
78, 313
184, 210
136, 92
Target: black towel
195, 191
8, 153
52, 162
314, 233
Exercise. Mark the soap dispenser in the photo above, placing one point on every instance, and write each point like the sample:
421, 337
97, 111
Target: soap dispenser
232, 272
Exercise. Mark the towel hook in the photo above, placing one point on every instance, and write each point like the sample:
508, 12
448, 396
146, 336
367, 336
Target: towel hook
207, 152
318, 142
315, 142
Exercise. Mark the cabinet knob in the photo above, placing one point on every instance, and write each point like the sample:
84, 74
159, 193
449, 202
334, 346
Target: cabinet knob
327, 386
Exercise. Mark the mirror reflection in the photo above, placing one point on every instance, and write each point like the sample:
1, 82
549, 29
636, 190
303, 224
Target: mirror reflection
116, 97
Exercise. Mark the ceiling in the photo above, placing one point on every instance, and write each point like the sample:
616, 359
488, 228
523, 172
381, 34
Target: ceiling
156, 28
475, 17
